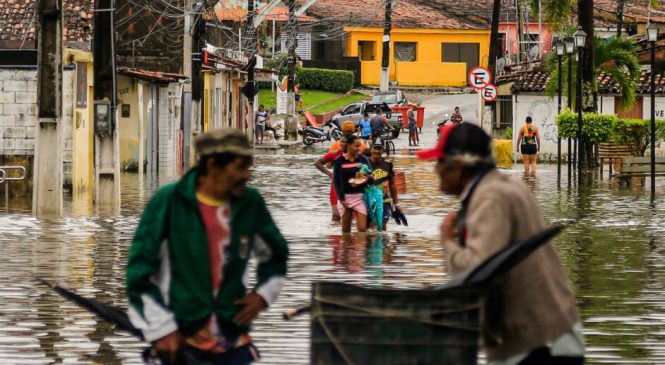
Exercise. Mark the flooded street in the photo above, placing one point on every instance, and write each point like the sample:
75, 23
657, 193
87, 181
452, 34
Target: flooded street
615, 257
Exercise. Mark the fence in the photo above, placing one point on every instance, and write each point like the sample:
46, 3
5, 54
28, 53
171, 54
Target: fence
6, 177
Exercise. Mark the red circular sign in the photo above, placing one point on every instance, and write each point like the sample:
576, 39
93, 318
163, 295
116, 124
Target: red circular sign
489, 93
479, 77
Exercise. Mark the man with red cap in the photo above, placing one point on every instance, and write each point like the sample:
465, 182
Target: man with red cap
529, 315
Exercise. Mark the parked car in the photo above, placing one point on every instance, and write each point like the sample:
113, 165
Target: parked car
354, 112
392, 98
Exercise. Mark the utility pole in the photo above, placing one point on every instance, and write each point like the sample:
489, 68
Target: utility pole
47, 173
385, 57
292, 43
250, 89
188, 124
107, 149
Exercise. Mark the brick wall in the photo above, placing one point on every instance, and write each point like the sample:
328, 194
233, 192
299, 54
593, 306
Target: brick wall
18, 112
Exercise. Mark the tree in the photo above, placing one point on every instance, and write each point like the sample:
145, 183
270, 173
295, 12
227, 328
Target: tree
615, 57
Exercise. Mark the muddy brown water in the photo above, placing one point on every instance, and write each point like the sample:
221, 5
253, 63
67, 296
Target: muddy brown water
615, 258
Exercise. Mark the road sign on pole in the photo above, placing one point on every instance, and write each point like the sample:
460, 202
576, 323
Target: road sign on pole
489, 93
479, 77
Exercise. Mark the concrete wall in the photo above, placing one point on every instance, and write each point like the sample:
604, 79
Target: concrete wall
129, 126
82, 136
543, 111
18, 111
660, 108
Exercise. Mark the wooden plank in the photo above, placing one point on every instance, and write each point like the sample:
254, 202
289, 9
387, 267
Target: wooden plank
641, 169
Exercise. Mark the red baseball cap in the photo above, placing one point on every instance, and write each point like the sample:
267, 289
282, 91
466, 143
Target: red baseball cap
438, 151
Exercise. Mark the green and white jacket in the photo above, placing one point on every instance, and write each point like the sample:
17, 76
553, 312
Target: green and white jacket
169, 283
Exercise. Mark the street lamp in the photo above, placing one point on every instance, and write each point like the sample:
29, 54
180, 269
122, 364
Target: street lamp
580, 39
560, 47
652, 37
570, 49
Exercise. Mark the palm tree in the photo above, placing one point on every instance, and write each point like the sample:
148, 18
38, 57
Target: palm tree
615, 57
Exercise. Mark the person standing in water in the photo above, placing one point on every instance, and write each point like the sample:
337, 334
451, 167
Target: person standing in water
350, 184
528, 143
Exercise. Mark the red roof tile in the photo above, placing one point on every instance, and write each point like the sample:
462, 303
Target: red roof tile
155, 76
535, 81
17, 19
430, 14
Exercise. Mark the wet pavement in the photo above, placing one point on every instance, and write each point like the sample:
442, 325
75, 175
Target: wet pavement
615, 257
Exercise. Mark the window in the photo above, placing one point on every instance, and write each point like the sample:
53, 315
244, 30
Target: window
366, 50
405, 51
352, 109
468, 53
504, 112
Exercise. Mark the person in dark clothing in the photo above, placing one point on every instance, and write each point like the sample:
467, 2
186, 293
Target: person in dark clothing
383, 174
350, 183
378, 123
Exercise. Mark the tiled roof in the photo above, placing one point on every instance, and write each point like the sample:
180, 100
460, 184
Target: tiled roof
17, 19
535, 81
154, 76
637, 10
430, 14
236, 13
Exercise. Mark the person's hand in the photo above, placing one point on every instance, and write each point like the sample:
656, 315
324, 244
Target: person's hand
538, 148
346, 206
252, 305
399, 209
168, 346
448, 227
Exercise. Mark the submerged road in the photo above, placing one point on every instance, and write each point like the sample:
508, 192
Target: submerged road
614, 257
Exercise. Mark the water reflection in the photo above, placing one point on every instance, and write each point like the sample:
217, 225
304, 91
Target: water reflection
614, 257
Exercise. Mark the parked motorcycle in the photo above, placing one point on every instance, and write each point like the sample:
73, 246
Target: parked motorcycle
312, 134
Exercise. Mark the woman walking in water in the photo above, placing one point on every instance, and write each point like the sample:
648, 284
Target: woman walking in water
350, 183
528, 143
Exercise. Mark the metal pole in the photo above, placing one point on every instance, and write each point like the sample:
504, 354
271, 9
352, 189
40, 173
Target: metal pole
653, 119
251, 49
580, 147
558, 146
570, 108
385, 56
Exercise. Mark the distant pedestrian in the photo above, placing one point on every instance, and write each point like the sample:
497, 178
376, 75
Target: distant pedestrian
413, 126
456, 118
528, 142
260, 120
365, 127
529, 315
384, 174
298, 96
324, 164
187, 266
379, 123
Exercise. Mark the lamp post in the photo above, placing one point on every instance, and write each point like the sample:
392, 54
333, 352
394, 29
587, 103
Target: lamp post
570, 49
560, 51
652, 37
580, 40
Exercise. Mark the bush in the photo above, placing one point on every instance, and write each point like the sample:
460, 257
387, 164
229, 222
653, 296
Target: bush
340, 81
596, 128
636, 134
508, 134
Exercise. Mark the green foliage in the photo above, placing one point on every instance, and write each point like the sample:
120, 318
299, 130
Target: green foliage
614, 56
322, 79
596, 128
279, 62
636, 134
508, 134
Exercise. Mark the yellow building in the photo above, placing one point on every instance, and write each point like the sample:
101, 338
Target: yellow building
419, 57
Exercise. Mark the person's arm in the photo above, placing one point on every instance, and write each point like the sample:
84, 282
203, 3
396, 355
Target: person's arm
538, 138
519, 139
320, 166
393, 188
147, 308
488, 231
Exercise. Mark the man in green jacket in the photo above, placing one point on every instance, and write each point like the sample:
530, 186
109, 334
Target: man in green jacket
186, 271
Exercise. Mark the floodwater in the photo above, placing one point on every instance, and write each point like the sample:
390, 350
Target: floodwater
615, 257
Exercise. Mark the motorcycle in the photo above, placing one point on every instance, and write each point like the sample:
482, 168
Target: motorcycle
312, 134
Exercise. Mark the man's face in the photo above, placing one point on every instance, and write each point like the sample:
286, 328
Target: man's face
377, 152
354, 148
457, 110
450, 177
232, 177
342, 144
